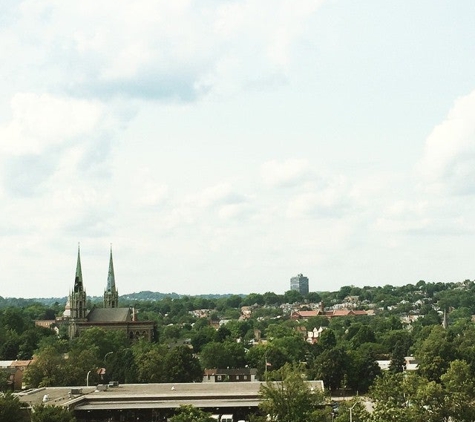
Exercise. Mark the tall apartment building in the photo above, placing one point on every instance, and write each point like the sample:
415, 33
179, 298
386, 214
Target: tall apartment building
299, 283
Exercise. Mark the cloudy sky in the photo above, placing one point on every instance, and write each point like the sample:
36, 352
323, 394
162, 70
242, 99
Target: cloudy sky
223, 146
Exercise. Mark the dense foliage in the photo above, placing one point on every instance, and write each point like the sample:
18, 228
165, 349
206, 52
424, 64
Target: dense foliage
194, 333
291, 399
188, 413
11, 409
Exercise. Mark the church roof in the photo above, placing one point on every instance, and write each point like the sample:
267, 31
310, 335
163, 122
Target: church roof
109, 315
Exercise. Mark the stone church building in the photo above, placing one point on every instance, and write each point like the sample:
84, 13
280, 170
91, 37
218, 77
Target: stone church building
110, 316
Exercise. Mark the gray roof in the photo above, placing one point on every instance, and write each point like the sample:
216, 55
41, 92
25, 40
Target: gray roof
109, 315
143, 396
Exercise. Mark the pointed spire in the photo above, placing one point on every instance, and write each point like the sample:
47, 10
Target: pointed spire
110, 275
78, 286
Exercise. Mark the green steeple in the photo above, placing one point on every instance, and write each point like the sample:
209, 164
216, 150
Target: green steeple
77, 299
110, 275
78, 286
111, 295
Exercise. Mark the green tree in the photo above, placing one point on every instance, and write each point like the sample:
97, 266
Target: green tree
240, 329
16, 320
11, 409
460, 388
286, 329
362, 369
408, 397
42, 413
47, 369
293, 296
223, 333
217, 355
233, 301
291, 399
270, 298
358, 411
253, 299
317, 322
104, 341
180, 365
294, 348
435, 354
313, 297
364, 335
331, 367
150, 363
398, 361
122, 366
389, 399
78, 364
171, 332
203, 336
327, 339
189, 413
259, 355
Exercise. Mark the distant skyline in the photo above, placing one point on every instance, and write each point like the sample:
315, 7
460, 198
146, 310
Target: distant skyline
226, 146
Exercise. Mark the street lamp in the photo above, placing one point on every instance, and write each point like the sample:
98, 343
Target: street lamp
105, 356
87, 378
351, 412
104, 375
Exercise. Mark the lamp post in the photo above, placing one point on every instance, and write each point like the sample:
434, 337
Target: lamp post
87, 379
105, 356
105, 376
351, 412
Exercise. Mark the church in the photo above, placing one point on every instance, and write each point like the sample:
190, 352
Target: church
110, 316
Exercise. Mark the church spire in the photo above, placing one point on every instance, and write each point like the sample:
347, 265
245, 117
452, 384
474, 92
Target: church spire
78, 285
77, 299
111, 295
110, 275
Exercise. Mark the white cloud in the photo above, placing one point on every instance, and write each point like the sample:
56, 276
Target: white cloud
146, 191
150, 49
331, 200
286, 173
221, 193
42, 121
404, 216
235, 211
449, 157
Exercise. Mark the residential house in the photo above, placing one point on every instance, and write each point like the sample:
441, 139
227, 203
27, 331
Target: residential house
230, 375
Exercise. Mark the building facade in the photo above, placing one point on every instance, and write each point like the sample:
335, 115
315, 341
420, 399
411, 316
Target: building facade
110, 316
299, 283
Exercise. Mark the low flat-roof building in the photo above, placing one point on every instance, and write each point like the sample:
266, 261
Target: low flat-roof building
152, 402
229, 375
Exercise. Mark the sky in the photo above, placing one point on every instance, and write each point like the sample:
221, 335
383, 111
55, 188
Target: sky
224, 146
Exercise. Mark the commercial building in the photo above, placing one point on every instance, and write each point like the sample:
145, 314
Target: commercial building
152, 402
299, 283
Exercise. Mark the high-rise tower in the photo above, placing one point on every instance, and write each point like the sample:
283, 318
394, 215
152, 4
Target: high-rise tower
299, 283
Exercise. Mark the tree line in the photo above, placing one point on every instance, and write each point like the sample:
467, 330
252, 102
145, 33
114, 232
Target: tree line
344, 356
